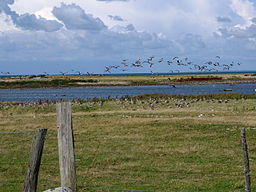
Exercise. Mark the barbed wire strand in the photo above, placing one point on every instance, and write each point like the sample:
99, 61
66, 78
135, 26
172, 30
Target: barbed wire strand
116, 189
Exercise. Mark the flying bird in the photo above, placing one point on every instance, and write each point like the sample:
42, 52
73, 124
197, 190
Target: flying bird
151, 58
150, 64
63, 73
107, 69
160, 60
78, 73
169, 62
6, 73
137, 63
209, 62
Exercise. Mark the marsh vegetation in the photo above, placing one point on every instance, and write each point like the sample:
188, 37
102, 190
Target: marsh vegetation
46, 81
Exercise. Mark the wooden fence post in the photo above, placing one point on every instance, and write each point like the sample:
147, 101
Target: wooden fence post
66, 145
30, 183
246, 161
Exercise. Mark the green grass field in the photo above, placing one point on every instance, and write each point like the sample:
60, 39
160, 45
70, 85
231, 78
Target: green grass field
145, 144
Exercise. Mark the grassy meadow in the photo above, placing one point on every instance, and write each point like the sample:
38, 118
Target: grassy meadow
146, 143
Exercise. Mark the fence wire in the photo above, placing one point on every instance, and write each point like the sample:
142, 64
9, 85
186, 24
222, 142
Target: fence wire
92, 167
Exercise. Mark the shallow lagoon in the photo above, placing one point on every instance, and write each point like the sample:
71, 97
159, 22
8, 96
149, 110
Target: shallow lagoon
53, 94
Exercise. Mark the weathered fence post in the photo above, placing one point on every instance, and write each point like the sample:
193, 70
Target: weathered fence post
66, 145
246, 161
30, 183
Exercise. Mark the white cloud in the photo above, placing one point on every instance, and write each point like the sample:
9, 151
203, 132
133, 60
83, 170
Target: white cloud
28, 21
245, 9
123, 29
31, 22
247, 28
86, 31
6, 23
79, 44
112, 0
74, 17
237, 32
46, 13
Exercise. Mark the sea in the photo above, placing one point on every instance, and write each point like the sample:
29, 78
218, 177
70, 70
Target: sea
148, 74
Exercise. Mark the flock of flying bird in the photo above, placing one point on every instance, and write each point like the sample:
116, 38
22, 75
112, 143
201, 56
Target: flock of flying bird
174, 62
5, 73
208, 66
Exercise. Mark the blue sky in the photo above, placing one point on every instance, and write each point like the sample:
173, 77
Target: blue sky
87, 35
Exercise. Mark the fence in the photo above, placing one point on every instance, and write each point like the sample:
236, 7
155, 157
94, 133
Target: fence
132, 160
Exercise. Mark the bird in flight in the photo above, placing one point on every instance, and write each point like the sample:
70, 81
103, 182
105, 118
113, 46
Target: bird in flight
107, 69
209, 63
169, 62
150, 58
160, 60
137, 63
5, 73
63, 73
124, 63
78, 72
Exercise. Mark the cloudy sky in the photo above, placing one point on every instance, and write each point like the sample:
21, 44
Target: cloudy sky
86, 35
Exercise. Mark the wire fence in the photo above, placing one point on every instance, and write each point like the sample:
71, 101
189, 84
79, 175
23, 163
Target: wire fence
126, 163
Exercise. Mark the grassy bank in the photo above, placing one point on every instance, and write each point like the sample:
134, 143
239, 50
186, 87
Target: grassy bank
41, 81
144, 143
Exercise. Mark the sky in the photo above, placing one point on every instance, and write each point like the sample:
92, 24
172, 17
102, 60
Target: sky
48, 36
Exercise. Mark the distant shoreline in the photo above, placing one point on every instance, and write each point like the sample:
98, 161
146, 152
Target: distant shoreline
140, 74
65, 81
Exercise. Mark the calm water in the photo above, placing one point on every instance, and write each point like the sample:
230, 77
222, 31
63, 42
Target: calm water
25, 95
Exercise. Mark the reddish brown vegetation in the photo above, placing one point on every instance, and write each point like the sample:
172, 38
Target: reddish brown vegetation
198, 79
